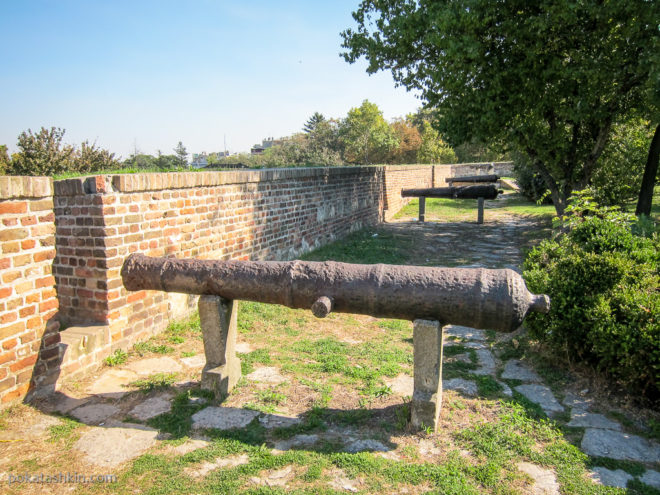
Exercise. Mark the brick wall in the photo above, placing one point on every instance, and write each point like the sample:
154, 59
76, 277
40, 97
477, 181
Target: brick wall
73, 236
29, 338
269, 214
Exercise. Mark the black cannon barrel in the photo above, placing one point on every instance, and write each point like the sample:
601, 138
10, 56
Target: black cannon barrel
467, 192
474, 297
474, 178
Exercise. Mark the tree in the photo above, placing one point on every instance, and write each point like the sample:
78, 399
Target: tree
90, 158
365, 134
645, 199
549, 77
432, 148
409, 139
42, 153
313, 122
181, 155
5, 161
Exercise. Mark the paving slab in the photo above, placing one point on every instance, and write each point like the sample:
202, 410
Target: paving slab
583, 419
152, 407
651, 478
206, 467
270, 421
541, 395
196, 361
617, 478
506, 390
402, 385
577, 401
466, 387
190, 446
298, 441
619, 445
267, 374
277, 478
150, 366
487, 363
244, 348
223, 418
115, 444
516, 370
113, 383
341, 482
366, 444
94, 414
63, 403
545, 480
465, 332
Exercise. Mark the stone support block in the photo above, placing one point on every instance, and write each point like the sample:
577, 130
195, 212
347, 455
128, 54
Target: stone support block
218, 320
427, 394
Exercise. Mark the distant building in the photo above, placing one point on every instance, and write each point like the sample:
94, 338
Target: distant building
258, 149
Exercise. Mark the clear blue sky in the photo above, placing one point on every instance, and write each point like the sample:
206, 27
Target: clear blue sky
156, 72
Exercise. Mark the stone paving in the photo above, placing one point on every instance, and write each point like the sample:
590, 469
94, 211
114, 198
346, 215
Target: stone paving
111, 439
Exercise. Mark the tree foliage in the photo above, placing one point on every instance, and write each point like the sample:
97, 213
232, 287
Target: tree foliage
548, 77
181, 155
366, 136
42, 153
432, 148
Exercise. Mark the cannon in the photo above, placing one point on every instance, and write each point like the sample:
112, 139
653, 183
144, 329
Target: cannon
472, 297
479, 193
430, 296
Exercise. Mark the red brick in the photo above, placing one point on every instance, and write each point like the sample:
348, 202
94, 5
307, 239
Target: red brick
46, 305
13, 207
28, 244
27, 311
11, 247
44, 255
9, 344
5, 292
15, 394
45, 282
23, 363
7, 383
7, 357
35, 322
31, 220
8, 318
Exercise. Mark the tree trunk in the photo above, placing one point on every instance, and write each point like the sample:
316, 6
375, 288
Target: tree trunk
645, 200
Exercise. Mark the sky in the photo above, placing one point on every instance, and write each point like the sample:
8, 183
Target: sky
147, 74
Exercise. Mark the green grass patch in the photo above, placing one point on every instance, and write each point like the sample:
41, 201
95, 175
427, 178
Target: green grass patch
365, 246
155, 381
117, 358
66, 431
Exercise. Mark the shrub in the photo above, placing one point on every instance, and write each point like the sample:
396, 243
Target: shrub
603, 283
531, 184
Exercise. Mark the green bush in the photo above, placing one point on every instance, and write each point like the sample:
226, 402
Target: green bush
603, 282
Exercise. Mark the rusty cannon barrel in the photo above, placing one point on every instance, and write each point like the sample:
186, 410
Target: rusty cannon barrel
489, 191
473, 297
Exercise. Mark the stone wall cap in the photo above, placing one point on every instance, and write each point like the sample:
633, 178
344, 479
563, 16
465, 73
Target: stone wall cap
12, 187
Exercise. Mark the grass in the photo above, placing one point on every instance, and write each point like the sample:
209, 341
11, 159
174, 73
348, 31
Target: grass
337, 373
460, 210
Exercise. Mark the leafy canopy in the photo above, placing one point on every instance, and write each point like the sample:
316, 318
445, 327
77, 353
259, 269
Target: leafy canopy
548, 77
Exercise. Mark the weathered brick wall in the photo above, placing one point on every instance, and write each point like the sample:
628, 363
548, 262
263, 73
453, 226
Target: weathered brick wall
269, 214
95, 222
29, 338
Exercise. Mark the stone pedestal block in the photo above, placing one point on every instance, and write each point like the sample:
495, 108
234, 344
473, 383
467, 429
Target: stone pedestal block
218, 320
427, 394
